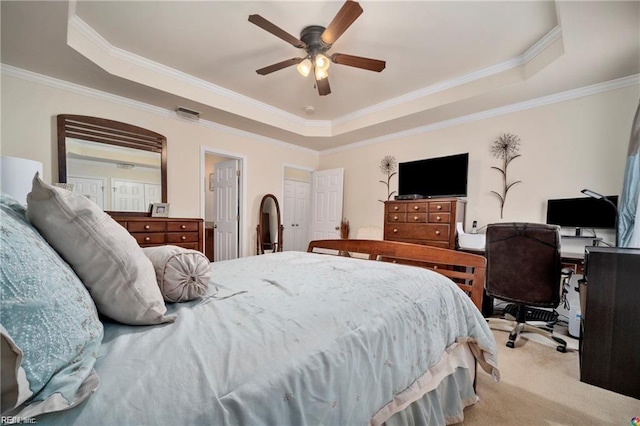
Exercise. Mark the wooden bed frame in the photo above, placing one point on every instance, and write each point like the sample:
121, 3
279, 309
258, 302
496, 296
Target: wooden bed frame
465, 269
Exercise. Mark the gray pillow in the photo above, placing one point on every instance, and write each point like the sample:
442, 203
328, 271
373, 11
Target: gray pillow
105, 256
182, 274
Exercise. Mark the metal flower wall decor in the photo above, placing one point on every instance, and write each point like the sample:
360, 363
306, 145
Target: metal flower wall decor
506, 148
388, 167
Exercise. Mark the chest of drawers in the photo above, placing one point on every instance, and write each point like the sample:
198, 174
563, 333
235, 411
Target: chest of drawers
159, 231
430, 222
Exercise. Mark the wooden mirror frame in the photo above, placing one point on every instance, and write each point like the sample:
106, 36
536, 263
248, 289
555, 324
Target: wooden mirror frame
110, 132
278, 243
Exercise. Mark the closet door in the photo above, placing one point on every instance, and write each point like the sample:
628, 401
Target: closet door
297, 198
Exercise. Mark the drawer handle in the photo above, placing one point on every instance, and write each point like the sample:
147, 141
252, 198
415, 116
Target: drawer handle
395, 231
147, 238
438, 218
183, 227
416, 207
416, 218
147, 227
435, 266
395, 218
437, 232
183, 238
439, 207
395, 207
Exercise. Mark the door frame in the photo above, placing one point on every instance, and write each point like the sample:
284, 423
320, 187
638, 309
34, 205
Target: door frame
242, 190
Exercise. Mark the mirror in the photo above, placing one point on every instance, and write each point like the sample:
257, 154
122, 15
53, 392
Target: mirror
269, 229
121, 167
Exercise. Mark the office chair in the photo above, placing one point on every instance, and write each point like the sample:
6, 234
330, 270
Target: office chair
523, 267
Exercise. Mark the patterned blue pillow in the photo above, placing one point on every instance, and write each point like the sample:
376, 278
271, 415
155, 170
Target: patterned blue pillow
49, 315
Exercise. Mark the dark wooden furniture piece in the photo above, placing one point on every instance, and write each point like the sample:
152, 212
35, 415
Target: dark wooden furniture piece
429, 222
110, 132
466, 270
208, 240
159, 231
610, 343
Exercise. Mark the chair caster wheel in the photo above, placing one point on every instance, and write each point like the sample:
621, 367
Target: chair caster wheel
510, 344
562, 349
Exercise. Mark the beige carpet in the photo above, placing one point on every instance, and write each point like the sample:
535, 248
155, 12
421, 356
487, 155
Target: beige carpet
541, 386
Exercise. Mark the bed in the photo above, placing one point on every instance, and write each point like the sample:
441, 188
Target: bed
292, 338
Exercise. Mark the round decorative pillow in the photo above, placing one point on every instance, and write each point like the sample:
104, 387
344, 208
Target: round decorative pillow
182, 274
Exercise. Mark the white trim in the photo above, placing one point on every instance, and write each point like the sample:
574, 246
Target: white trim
242, 189
120, 100
594, 89
528, 55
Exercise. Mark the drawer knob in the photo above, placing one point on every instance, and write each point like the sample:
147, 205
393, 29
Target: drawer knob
183, 238
395, 231
147, 238
395, 207
395, 218
147, 227
438, 218
439, 207
435, 266
415, 218
437, 232
183, 227
416, 207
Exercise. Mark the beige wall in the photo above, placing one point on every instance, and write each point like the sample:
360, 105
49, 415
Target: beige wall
29, 131
565, 147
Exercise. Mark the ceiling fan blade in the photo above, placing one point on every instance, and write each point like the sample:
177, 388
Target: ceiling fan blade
279, 66
343, 20
358, 62
323, 86
276, 31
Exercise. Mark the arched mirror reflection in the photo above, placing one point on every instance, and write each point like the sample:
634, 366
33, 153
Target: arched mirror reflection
120, 167
269, 229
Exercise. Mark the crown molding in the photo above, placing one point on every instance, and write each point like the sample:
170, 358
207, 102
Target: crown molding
528, 55
620, 83
55, 83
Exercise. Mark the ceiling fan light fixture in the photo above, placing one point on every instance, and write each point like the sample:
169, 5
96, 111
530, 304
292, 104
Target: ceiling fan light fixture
304, 67
322, 62
321, 74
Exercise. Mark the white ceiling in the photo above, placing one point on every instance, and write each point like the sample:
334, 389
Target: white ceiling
444, 59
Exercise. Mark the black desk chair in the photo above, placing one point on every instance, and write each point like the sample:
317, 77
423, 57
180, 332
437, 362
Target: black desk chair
523, 267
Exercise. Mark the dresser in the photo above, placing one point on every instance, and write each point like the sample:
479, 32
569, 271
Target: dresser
610, 341
430, 221
159, 231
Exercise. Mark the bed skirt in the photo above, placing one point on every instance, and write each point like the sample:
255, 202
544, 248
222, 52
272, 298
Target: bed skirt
438, 397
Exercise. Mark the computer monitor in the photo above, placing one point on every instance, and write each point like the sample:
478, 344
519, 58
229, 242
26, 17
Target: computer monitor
585, 212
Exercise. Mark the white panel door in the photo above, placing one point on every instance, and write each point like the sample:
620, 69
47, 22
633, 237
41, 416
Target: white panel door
128, 196
326, 203
297, 198
92, 188
152, 193
226, 214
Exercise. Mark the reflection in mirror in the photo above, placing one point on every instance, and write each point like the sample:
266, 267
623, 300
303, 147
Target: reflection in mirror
269, 229
120, 167
113, 176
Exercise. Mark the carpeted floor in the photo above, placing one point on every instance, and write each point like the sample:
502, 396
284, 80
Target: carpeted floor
541, 386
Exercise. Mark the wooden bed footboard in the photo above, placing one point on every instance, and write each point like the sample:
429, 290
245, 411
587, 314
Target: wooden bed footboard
465, 269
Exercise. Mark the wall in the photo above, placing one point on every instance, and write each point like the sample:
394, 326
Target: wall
565, 147
28, 124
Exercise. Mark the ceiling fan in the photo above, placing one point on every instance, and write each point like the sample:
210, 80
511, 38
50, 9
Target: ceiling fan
316, 41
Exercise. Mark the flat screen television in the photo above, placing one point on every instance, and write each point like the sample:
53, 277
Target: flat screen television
585, 212
434, 177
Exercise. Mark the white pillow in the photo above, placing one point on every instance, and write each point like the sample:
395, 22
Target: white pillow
103, 254
182, 274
